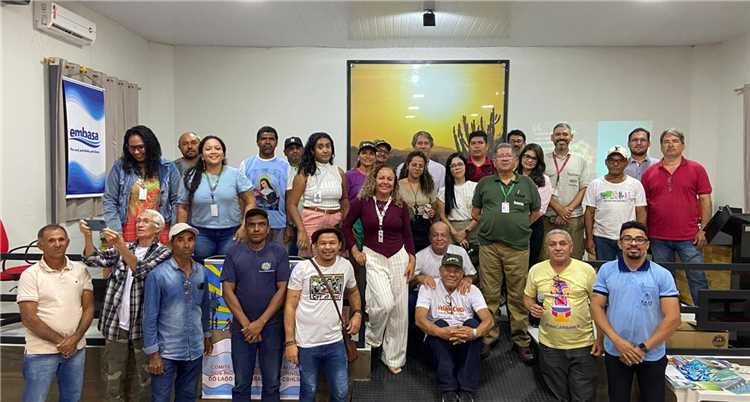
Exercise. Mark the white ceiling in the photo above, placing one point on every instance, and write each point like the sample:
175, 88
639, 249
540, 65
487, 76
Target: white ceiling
363, 24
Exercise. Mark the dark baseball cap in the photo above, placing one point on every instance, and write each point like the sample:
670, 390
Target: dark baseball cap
378, 143
292, 141
367, 144
256, 211
452, 259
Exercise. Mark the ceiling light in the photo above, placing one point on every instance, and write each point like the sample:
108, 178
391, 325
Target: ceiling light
428, 18
418, 96
410, 116
413, 107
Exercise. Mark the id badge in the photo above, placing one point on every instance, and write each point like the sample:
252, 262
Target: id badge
142, 194
214, 210
505, 208
380, 236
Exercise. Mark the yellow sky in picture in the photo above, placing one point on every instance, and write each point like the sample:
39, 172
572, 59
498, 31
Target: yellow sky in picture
393, 101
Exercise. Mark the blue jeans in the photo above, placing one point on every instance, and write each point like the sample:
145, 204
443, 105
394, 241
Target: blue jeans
606, 249
269, 352
663, 251
332, 359
211, 242
40, 370
185, 376
456, 366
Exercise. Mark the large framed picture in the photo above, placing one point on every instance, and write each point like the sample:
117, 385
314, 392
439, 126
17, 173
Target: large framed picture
392, 100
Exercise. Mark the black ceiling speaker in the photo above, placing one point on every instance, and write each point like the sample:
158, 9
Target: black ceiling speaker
428, 18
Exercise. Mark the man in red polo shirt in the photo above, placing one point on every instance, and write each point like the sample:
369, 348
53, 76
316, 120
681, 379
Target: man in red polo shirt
679, 205
478, 164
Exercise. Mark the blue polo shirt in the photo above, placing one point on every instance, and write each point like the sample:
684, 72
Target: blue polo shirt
634, 310
255, 275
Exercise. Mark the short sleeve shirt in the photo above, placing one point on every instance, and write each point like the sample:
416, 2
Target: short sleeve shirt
58, 297
428, 263
269, 180
614, 204
634, 307
452, 307
635, 169
673, 206
566, 298
255, 275
575, 174
231, 183
316, 320
510, 228
463, 195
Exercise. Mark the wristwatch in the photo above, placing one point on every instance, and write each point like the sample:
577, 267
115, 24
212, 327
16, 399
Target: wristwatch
474, 331
642, 346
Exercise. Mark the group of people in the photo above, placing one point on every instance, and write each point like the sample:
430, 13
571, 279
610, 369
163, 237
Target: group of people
458, 237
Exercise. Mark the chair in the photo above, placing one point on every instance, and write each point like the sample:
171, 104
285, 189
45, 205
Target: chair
12, 273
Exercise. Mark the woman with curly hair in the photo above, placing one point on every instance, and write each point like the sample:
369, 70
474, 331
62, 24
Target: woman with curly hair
417, 189
138, 181
388, 257
214, 199
322, 188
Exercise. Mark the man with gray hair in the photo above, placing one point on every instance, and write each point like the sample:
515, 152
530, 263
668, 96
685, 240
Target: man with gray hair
504, 204
559, 292
188, 145
679, 206
422, 141
570, 174
121, 320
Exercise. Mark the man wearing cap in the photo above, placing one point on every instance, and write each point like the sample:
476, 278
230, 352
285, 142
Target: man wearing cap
504, 204
638, 141
188, 145
175, 320
570, 174
121, 320
311, 322
269, 176
293, 149
422, 141
383, 151
610, 201
558, 293
253, 282
454, 336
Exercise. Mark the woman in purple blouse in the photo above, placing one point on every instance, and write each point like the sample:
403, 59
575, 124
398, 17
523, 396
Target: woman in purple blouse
388, 256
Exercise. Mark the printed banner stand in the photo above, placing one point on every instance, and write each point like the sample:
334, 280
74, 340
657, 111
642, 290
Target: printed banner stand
85, 139
218, 373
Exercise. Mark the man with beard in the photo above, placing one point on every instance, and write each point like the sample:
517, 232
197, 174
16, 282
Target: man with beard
638, 141
188, 144
517, 139
635, 304
269, 176
570, 175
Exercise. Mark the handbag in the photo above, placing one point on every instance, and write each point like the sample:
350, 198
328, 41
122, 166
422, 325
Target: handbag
351, 348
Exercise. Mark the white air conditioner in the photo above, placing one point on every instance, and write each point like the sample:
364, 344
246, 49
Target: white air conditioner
49, 17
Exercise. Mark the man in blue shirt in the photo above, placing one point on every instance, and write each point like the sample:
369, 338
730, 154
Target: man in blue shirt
175, 320
636, 305
269, 174
253, 280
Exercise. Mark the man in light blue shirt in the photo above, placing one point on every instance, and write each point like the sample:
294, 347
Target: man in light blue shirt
638, 141
636, 305
268, 175
175, 320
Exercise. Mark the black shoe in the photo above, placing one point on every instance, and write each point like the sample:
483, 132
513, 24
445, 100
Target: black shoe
450, 396
466, 396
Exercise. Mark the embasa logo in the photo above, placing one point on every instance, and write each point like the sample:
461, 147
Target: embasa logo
90, 138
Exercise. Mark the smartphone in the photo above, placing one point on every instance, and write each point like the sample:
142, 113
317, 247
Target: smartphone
96, 225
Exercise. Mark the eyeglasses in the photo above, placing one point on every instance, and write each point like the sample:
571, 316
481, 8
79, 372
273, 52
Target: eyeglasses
456, 165
529, 157
140, 147
630, 239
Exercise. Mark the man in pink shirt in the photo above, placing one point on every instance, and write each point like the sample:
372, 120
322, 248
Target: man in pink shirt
679, 206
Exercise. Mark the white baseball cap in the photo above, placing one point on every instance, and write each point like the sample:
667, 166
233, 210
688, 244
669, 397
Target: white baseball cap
619, 149
179, 228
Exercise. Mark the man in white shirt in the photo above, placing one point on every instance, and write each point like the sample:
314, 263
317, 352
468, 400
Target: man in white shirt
610, 201
422, 141
429, 259
311, 321
453, 334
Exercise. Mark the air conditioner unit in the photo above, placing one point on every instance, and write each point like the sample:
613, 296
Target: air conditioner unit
49, 17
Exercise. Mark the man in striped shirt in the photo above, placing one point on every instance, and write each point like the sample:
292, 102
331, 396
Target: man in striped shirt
122, 315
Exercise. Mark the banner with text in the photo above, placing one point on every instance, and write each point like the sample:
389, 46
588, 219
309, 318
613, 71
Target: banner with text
85, 139
218, 373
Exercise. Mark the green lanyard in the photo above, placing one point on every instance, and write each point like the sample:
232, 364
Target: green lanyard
212, 186
510, 191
